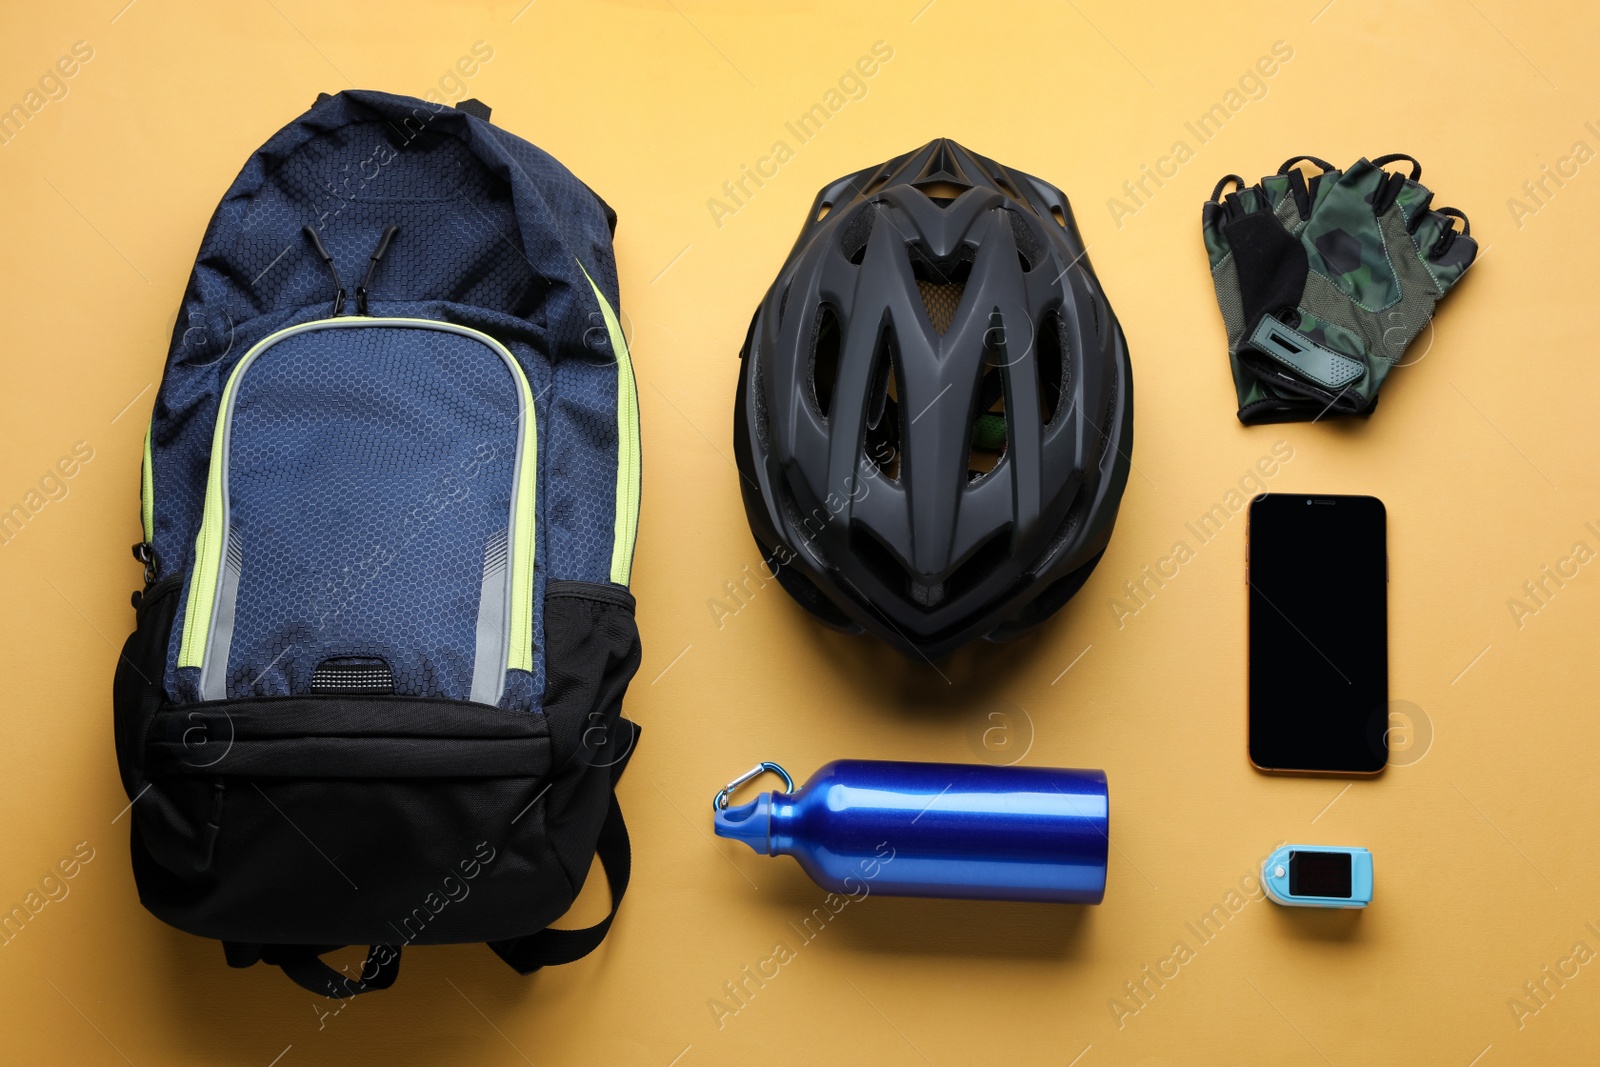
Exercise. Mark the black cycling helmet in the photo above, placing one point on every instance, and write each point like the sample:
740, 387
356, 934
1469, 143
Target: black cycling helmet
935, 408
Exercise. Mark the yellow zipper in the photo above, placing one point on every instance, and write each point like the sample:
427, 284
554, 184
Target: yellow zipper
626, 530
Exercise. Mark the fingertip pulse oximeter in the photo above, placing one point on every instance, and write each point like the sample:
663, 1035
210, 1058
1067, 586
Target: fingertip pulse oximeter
1318, 876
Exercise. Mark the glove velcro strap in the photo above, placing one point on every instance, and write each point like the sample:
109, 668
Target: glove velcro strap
1311, 361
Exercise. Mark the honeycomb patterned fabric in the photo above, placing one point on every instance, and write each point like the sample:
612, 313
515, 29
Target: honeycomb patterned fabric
369, 477
493, 235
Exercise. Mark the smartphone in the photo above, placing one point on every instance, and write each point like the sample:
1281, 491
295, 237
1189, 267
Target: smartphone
1317, 569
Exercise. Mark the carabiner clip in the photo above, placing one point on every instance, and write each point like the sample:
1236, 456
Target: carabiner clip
720, 801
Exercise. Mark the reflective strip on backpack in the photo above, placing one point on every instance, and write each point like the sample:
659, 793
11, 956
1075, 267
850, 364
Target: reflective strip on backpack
626, 531
519, 635
147, 487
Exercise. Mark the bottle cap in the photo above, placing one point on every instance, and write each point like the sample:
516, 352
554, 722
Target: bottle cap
750, 823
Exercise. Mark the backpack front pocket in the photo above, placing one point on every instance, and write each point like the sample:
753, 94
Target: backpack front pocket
369, 518
332, 820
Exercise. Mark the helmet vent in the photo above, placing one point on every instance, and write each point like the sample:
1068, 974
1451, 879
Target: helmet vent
826, 338
1055, 378
882, 440
940, 302
853, 242
1081, 502
877, 558
1029, 249
987, 560
806, 529
943, 194
941, 283
758, 373
1105, 424
987, 437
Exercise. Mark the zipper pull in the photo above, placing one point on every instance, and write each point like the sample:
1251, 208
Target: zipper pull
327, 258
372, 267
208, 835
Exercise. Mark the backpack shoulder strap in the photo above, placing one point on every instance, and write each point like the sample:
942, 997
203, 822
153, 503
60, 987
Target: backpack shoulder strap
527, 954
303, 964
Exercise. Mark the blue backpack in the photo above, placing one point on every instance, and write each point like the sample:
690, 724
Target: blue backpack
374, 692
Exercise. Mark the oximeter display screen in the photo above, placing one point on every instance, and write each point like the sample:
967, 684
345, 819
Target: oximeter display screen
1319, 874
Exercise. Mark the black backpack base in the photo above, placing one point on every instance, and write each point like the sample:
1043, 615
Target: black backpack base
287, 827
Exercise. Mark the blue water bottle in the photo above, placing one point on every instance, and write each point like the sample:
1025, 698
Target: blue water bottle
934, 829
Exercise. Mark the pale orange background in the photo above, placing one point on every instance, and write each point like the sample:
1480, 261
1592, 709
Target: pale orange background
1484, 450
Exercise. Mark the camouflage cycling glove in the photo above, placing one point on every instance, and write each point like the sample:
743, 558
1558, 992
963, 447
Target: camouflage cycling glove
1323, 283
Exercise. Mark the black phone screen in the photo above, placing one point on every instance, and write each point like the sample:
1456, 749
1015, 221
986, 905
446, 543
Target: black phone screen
1319, 634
